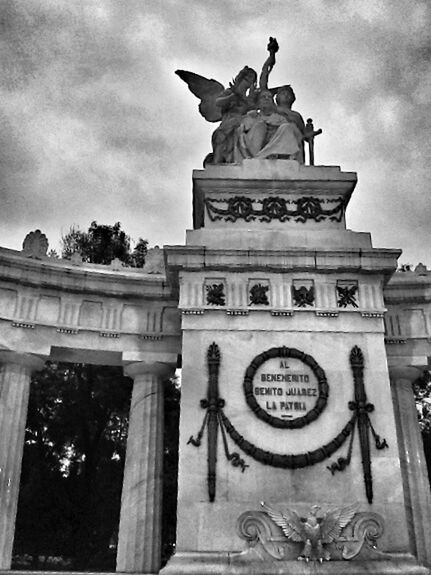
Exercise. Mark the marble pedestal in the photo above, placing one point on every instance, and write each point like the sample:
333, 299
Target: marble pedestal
277, 297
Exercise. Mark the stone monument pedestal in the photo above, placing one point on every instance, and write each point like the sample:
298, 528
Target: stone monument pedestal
285, 387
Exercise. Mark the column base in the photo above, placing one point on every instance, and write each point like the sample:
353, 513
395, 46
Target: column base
194, 563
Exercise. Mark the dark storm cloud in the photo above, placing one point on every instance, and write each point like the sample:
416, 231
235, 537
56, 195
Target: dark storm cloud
97, 126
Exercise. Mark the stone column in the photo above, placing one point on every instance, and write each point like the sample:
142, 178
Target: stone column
139, 541
15, 374
413, 464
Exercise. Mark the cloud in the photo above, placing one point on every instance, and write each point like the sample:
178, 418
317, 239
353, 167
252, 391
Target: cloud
96, 126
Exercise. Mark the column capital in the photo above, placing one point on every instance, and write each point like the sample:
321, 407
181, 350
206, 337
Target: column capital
159, 368
404, 373
26, 360
162, 364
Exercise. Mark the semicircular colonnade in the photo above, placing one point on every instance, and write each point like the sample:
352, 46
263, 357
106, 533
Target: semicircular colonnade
86, 313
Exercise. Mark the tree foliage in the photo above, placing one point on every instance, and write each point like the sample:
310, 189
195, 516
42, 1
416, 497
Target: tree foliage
101, 244
73, 465
72, 474
422, 394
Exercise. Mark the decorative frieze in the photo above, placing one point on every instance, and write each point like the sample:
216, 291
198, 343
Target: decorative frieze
67, 330
372, 314
237, 312
281, 313
215, 292
268, 209
23, 324
239, 291
258, 292
109, 334
150, 337
26, 306
111, 317
347, 294
303, 293
193, 311
326, 313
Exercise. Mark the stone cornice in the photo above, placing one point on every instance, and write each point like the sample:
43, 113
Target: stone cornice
295, 259
84, 278
408, 288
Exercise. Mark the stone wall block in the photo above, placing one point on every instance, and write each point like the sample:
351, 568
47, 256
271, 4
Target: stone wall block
90, 314
243, 293
69, 312
198, 299
320, 295
26, 307
111, 317
48, 309
231, 295
8, 299
287, 295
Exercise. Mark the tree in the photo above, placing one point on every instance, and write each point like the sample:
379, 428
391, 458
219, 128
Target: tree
103, 243
72, 474
422, 393
73, 465
172, 395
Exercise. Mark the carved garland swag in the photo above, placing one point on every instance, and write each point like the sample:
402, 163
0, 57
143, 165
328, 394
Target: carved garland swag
275, 208
360, 419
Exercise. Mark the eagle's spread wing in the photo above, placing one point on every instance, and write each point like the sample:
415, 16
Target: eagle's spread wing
206, 90
335, 521
289, 522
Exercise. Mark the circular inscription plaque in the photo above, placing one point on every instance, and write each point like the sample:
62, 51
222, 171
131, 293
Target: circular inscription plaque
286, 387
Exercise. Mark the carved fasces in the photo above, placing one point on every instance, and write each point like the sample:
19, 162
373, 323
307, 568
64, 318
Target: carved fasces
285, 535
252, 125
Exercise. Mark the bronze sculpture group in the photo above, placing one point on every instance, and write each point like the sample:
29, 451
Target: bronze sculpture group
252, 124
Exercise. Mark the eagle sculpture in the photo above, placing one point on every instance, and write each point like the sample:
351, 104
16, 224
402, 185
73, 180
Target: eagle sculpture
313, 532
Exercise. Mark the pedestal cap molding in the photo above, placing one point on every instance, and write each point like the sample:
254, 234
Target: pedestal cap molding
257, 169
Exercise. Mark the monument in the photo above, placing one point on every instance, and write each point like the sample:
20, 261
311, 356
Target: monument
290, 460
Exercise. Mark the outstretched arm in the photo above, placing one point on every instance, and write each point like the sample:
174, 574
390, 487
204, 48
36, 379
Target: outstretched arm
268, 64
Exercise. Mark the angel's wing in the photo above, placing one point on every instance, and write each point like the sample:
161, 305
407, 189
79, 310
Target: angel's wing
334, 521
207, 91
289, 522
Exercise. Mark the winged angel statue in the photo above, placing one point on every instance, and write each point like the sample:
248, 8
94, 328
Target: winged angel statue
313, 532
252, 124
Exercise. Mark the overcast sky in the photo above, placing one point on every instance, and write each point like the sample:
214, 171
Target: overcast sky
95, 125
